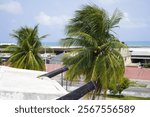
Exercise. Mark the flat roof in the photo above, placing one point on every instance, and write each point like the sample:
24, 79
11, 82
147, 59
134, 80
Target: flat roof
137, 73
27, 86
147, 58
140, 51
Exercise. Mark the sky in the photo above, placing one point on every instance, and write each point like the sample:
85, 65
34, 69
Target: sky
53, 15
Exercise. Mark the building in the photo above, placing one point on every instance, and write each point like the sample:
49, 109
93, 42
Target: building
126, 54
140, 55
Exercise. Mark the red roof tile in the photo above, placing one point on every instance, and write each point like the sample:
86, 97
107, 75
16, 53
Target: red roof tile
52, 67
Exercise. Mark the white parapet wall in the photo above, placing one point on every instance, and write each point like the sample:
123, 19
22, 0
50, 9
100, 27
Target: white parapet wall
24, 85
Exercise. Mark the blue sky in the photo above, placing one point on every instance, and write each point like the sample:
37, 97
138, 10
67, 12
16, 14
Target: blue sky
53, 15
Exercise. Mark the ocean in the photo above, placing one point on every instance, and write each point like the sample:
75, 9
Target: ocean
129, 43
138, 43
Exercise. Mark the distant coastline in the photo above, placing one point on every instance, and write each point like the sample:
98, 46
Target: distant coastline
130, 44
135, 44
139, 46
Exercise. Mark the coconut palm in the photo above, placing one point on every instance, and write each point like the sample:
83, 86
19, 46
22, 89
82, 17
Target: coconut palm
26, 53
97, 57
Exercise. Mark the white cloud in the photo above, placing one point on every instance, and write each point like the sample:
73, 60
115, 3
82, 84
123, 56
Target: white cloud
11, 7
44, 19
128, 22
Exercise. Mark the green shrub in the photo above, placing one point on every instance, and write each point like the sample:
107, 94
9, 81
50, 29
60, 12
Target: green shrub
120, 87
146, 65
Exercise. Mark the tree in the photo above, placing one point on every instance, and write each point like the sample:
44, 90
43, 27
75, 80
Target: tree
25, 54
120, 87
0, 60
97, 57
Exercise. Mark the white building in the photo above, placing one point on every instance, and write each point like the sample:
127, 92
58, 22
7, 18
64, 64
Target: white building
126, 56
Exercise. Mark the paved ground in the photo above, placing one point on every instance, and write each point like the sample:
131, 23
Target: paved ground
138, 92
142, 88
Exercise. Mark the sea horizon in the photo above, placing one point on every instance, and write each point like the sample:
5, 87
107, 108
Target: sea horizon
56, 43
128, 43
138, 43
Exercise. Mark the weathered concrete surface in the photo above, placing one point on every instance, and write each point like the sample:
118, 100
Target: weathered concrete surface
12, 95
24, 85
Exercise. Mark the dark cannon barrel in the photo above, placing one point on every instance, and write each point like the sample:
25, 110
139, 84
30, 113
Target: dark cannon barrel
55, 72
80, 92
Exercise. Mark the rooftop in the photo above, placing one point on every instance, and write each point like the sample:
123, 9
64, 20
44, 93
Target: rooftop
137, 73
24, 84
140, 51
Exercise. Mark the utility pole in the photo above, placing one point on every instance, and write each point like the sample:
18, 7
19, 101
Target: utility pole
45, 58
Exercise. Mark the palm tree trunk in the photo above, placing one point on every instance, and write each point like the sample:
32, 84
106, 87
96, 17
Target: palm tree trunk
80, 92
94, 95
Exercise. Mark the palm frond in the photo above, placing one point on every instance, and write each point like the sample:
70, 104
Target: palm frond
115, 19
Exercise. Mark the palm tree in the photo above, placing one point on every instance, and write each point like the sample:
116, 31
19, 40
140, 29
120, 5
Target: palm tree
97, 57
25, 54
